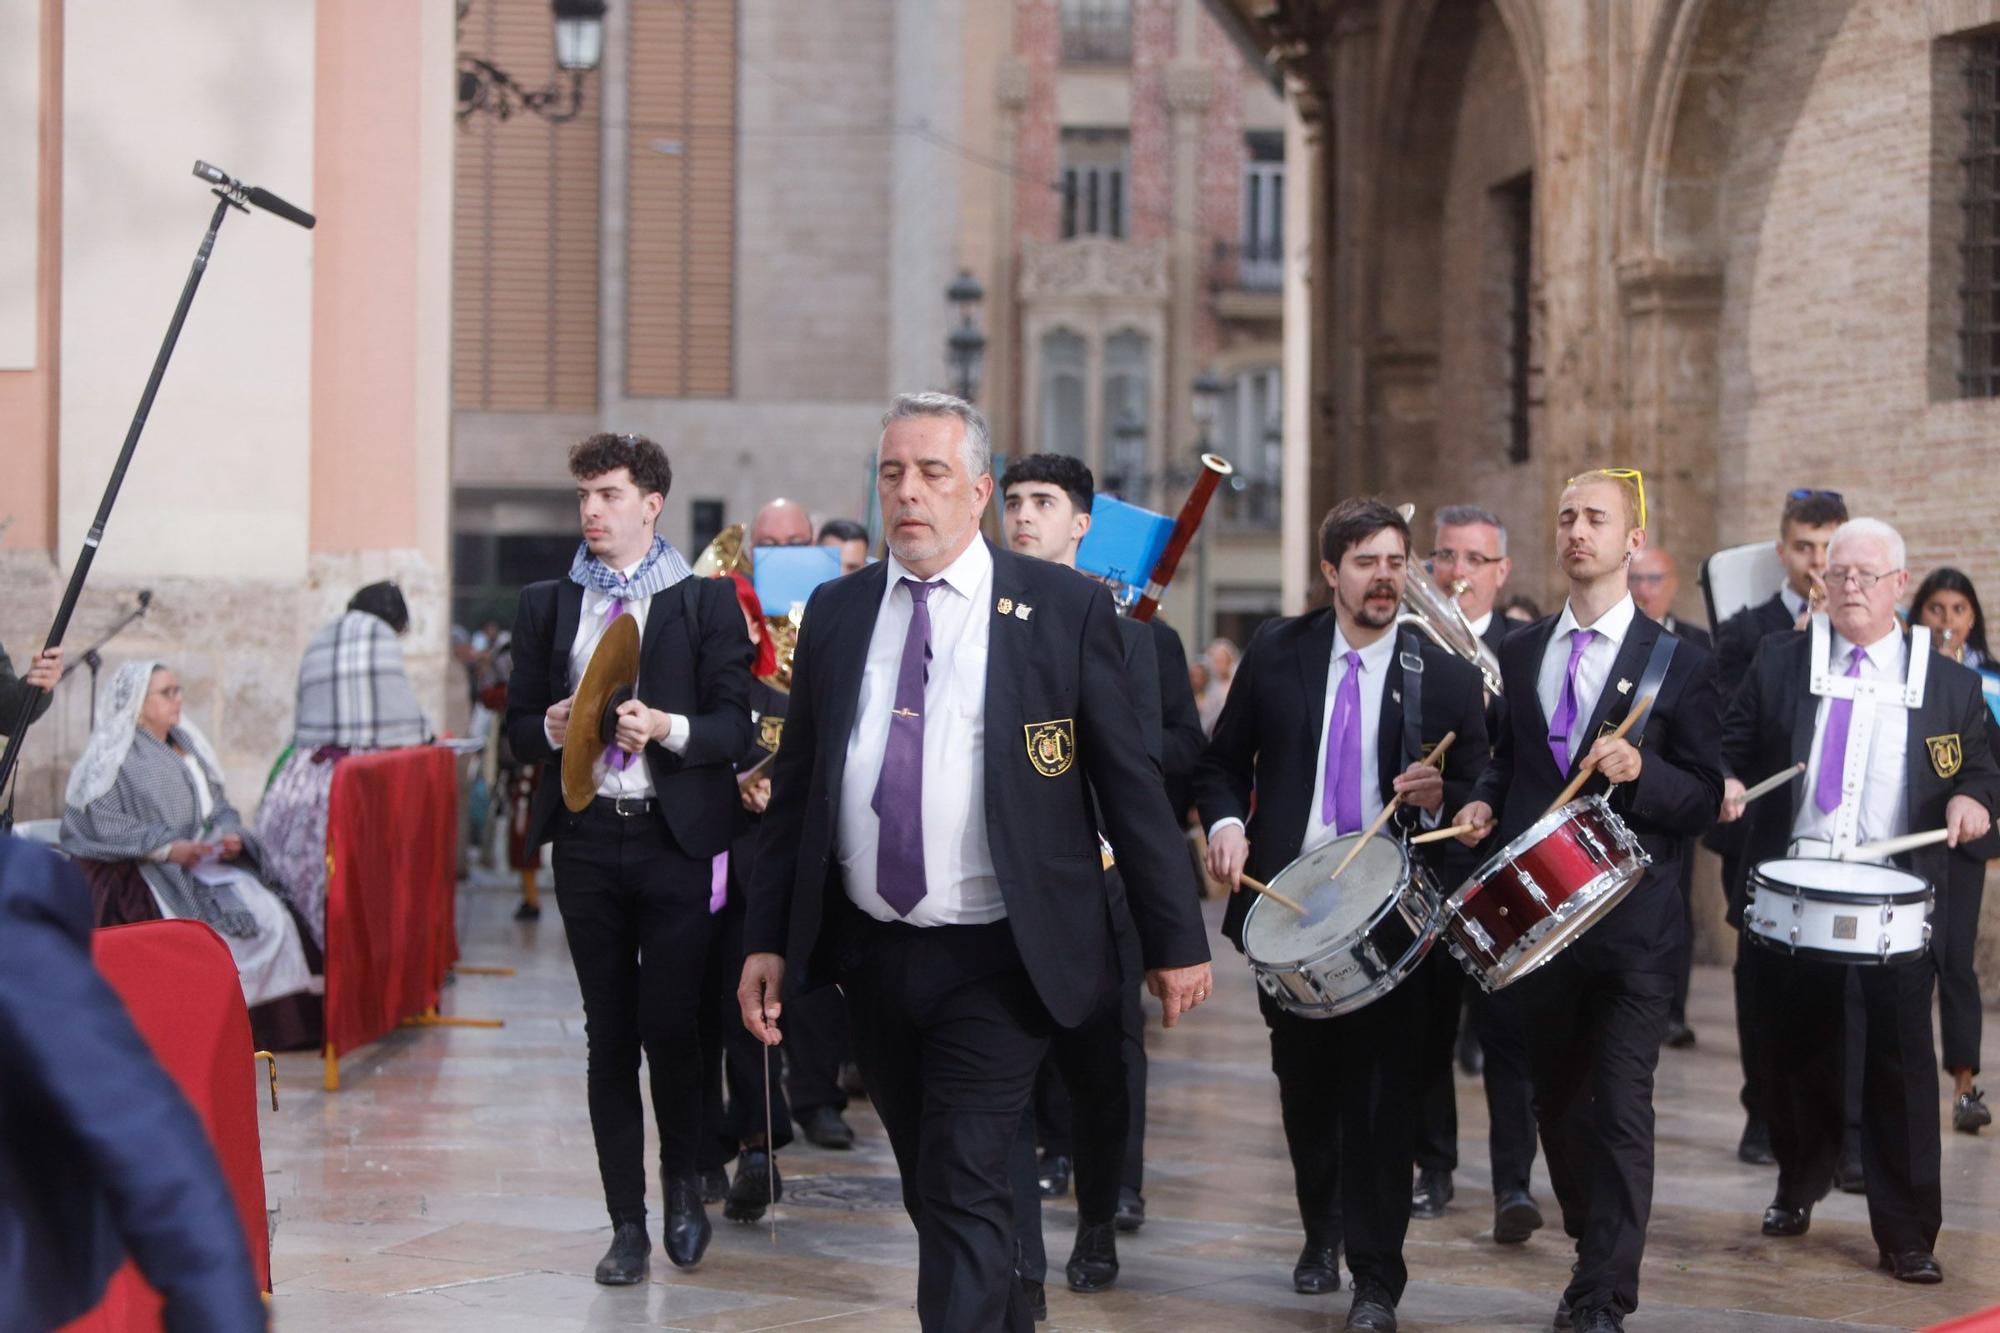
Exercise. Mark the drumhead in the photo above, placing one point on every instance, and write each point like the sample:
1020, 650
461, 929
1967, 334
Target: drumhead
1274, 933
1819, 878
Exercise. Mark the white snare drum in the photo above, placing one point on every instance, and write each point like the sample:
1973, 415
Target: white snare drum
1358, 939
1839, 911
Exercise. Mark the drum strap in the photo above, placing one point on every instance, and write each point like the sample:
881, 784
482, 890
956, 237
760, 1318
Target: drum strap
1650, 680
1410, 656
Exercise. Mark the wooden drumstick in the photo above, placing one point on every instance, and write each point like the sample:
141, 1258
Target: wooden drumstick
1436, 760
1583, 774
1270, 892
1772, 783
1441, 834
1909, 842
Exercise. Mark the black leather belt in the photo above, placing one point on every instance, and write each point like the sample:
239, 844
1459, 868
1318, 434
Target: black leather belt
625, 806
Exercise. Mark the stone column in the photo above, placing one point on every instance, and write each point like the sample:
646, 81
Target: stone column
611, 88
1190, 90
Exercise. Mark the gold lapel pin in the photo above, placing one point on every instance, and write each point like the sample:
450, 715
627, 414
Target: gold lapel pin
1006, 606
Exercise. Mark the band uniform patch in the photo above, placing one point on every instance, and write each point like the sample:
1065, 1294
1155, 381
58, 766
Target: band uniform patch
769, 731
1947, 755
1607, 726
1051, 746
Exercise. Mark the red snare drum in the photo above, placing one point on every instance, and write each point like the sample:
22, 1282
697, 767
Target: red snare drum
1542, 890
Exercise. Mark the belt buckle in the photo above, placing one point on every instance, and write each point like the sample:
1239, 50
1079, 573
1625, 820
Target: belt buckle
618, 806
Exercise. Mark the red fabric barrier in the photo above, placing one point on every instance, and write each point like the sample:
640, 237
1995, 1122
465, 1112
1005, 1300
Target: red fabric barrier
392, 857
179, 984
1986, 1321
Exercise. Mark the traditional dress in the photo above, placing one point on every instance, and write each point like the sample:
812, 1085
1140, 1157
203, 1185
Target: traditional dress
353, 695
132, 796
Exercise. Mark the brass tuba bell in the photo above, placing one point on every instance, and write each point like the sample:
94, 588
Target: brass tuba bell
1440, 617
729, 553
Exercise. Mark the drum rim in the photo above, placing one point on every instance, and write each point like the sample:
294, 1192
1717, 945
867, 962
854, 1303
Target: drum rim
1528, 837
1758, 880
1814, 954
1411, 865
1395, 975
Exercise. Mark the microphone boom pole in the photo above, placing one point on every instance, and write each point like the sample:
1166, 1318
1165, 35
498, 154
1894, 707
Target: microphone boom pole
229, 193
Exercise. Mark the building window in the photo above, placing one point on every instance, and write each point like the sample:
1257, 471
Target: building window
1515, 208
1249, 433
1260, 265
1062, 425
1096, 32
704, 522
1128, 391
1979, 287
1093, 182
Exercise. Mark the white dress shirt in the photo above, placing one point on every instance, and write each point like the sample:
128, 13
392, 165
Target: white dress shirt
1884, 796
1593, 670
961, 886
1794, 604
1479, 625
635, 780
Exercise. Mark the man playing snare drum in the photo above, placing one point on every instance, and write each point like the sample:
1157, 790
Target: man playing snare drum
1596, 1013
1319, 724
1894, 741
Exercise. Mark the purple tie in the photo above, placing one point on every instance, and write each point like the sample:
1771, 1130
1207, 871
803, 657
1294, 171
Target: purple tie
899, 793
1833, 754
1565, 719
1341, 805
619, 759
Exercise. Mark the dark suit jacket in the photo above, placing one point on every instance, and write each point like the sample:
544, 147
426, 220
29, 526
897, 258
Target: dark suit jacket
1142, 670
1770, 725
99, 1151
1063, 663
1687, 633
700, 670
14, 692
1180, 717
1267, 739
1677, 793
1735, 644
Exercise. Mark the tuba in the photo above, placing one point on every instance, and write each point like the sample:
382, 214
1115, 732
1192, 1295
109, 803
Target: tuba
729, 553
1440, 618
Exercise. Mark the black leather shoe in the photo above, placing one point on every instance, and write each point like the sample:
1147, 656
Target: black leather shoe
1969, 1112
1372, 1308
1131, 1209
1601, 1320
1848, 1177
1093, 1260
687, 1223
1432, 1193
1679, 1036
624, 1264
1318, 1269
1562, 1320
1036, 1297
1781, 1219
756, 1175
825, 1127
1919, 1266
1054, 1175
527, 912
1755, 1145
1515, 1218
715, 1184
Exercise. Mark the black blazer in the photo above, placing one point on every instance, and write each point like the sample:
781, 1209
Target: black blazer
700, 670
1687, 633
1267, 740
1735, 644
1062, 664
1677, 793
1142, 671
1770, 725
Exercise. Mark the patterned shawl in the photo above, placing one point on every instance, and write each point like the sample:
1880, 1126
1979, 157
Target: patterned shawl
353, 692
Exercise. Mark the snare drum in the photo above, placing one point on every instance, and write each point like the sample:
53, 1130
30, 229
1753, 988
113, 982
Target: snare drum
1358, 939
1542, 890
1839, 911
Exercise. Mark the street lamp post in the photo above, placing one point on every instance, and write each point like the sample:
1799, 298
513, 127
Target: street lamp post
965, 346
579, 41
1207, 399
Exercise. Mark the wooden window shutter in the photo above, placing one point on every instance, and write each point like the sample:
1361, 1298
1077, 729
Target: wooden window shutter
681, 210
525, 216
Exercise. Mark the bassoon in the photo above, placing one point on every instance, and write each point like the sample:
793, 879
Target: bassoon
1214, 468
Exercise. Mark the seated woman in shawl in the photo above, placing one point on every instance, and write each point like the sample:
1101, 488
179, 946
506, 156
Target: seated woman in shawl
353, 696
148, 792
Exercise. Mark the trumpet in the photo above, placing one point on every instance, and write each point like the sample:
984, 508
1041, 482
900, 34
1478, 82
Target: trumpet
1439, 617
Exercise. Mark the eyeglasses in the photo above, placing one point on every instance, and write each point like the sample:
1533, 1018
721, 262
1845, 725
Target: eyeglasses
1471, 558
1647, 579
1807, 493
1631, 474
1838, 575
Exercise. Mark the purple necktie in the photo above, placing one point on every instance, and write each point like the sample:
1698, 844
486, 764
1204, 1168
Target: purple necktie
1341, 804
619, 759
1833, 754
1565, 719
899, 793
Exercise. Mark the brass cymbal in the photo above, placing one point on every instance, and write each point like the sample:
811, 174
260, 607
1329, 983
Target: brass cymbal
611, 678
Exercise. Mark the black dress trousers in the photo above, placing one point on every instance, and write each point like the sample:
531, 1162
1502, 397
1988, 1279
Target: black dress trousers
733, 1061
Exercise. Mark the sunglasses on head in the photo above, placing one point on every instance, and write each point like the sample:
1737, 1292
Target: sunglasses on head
1807, 493
1631, 474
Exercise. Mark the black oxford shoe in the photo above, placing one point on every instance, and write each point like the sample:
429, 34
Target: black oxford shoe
825, 1127
1054, 1175
1919, 1266
1372, 1308
1781, 1219
1036, 1298
624, 1264
1515, 1218
1755, 1145
1093, 1261
1131, 1209
687, 1224
1433, 1191
1318, 1269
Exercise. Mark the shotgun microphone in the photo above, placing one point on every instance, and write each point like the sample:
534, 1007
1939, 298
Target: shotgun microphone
237, 192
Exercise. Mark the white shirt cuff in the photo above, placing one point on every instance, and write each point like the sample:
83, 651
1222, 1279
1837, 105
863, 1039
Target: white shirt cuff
677, 733
1432, 818
1223, 823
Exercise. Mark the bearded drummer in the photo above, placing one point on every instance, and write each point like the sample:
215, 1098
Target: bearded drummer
1894, 739
1595, 1015
1319, 724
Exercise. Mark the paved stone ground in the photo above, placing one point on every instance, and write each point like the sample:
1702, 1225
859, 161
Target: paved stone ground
450, 1186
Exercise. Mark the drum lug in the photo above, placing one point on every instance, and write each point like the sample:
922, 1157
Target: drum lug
1798, 908
1478, 934
1592, 845
1534, 889
1888, 913
1794, 937
1882, 948
1927, 932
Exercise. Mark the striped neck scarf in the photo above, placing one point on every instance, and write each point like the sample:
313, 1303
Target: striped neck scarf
661, 569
